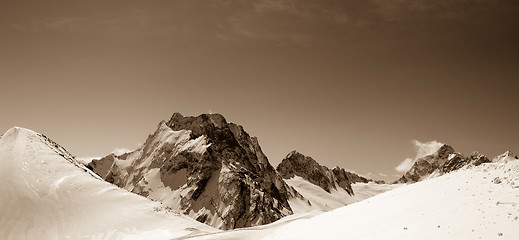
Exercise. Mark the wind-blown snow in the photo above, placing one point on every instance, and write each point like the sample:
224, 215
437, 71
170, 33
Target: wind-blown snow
472, 203
47, 194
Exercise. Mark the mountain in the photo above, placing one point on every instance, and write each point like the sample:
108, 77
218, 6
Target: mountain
356, 178
306, 167
48, 194
505, 157
477, 202
443, 161
324, 189
206, 168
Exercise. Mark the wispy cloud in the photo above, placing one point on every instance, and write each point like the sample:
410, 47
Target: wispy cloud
405, 165
60, 23
422, 149
274, 5
119, 151
86, 160
63, 23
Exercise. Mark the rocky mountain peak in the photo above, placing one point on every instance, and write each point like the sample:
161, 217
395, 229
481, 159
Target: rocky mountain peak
297, 164
444, 151
445, 160
505, 157
205, 167
203, 121
476, 158
508, 153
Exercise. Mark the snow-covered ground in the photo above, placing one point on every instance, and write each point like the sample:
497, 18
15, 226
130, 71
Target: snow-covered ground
47, 194
476, 203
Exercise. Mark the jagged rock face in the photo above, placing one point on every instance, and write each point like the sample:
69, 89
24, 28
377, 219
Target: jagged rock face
206, 168
445, 160
355, 178
306, 167
457, 161
454, 162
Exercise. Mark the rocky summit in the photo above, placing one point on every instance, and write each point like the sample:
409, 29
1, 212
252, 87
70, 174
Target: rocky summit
306, 167
206, 168
443, 161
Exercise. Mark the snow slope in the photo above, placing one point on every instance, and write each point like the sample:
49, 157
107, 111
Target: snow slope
471, 203
47, 194
321, 200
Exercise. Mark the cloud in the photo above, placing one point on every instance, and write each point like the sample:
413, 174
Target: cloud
426, 148
60, 23
422, 149
86, 160
274, 5
405, 165
63, 22
119, 151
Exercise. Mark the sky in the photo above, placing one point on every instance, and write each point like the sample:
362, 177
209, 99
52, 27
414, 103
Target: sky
357, 84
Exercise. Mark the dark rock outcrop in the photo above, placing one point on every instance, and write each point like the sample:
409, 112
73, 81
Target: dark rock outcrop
205, 167
458, 161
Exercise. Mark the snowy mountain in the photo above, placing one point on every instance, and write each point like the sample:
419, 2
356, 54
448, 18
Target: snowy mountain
443, 161
206, 168
297, 164
324, 189
214, 171
505, 157
474, 202
47, 194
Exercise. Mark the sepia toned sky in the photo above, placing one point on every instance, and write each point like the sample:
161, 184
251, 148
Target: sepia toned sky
350, 83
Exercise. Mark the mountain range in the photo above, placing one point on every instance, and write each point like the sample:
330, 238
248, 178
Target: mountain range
206, 169
216, 173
